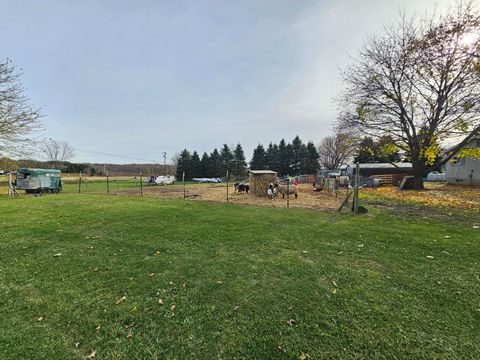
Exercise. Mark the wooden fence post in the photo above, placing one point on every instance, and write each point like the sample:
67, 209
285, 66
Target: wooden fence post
141, 184
288, 191
79, 182
108, 185
183, 180
357, 187
227, 186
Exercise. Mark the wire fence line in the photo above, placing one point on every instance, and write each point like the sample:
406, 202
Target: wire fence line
330, 196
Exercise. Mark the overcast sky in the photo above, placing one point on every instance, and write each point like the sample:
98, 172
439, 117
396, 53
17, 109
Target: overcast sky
141, 77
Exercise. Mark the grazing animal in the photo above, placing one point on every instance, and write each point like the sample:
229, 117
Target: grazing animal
241, 188
317, 188
282, 189
271, 191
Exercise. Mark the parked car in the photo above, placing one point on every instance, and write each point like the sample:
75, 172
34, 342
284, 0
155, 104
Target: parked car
436, 176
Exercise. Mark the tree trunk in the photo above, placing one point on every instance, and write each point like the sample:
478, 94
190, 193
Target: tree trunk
418, 182
418, 174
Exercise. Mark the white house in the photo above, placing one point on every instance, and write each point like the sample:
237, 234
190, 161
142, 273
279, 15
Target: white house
465, 171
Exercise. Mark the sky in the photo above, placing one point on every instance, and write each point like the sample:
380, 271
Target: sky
138, 78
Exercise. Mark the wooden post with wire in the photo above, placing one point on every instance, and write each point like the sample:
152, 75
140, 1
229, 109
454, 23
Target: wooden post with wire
183, 181
79, 182
288, 191
108, 185
357, 187
141, 184
227, 186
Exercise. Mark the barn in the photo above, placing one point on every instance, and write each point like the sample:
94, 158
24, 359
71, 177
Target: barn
464, 171
388, 173
260, 179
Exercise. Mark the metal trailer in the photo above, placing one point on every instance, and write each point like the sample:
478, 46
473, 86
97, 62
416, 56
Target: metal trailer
35, 181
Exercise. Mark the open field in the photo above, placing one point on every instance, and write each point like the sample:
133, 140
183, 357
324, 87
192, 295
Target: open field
86, 273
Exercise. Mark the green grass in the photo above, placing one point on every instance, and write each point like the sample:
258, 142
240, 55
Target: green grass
236, 275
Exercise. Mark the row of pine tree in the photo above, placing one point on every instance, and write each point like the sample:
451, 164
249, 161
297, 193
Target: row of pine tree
293, 158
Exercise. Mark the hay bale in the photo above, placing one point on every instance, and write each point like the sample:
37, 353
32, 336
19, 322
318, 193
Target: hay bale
260, 180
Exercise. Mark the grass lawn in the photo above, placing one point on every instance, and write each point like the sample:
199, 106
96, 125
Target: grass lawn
84, 273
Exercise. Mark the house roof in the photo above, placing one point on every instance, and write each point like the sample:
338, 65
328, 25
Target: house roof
402, 165
260, 172
468, 144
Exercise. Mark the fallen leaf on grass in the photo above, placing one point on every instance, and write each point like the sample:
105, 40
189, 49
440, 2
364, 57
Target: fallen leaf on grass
77, 344
134, 309
291, 322
129, 326
304, 356
160, 301
334, 291
476, 227
429, 257
447, 237
122, 299
97, 328
172, 308
57, 255
290, 307
334, 283
157, 253
151, 274
236, 308
129, 335
92, 355
40, 318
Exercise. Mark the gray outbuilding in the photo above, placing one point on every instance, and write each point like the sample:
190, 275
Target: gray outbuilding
464, 171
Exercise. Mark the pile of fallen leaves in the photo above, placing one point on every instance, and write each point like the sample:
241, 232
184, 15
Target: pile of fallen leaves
462, 197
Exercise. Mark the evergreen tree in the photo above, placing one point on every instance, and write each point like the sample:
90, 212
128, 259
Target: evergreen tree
184, 165
204, 166
195, 165
290, 159
239, 167
298, 156
283, 158
226, 160
272, 157
311, 165
215, 168
258, 161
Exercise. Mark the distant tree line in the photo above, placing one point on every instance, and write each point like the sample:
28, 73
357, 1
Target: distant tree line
214, 164
293, 158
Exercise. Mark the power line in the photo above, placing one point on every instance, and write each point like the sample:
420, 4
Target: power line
113, 155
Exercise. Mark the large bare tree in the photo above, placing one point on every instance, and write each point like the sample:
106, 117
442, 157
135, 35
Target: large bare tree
335, 150
18, 118
419, 83
57, 151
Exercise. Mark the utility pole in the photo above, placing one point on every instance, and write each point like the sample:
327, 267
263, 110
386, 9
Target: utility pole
165, 163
